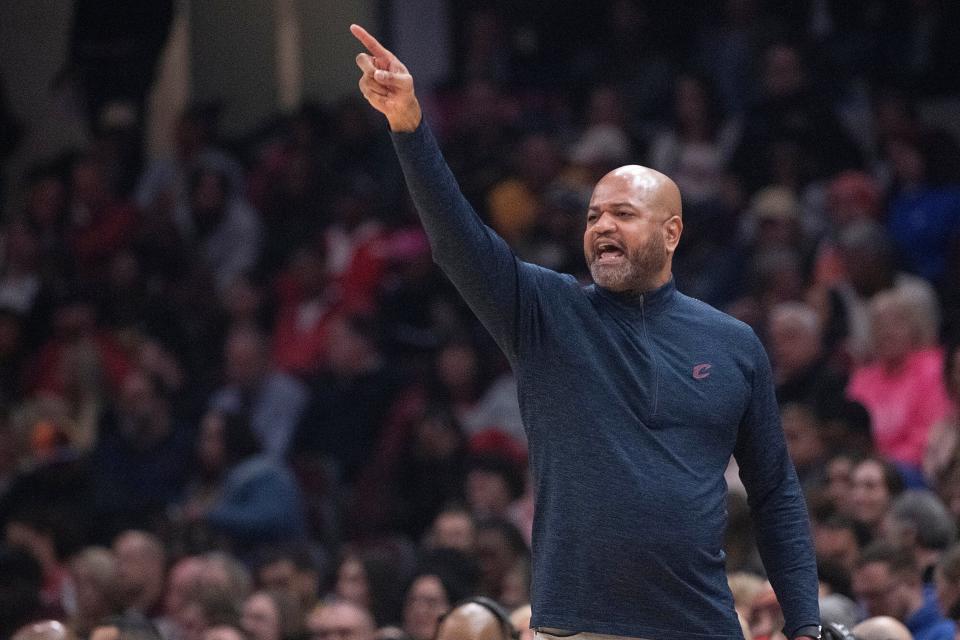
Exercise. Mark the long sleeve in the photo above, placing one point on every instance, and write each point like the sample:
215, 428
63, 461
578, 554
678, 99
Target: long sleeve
776, 503
478, 261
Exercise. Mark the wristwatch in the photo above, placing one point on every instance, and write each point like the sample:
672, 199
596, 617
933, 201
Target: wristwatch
810, 631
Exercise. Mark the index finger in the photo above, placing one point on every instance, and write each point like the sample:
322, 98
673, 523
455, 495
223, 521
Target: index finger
371, 43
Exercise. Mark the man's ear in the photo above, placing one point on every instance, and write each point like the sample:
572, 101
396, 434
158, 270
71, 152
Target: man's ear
672, 229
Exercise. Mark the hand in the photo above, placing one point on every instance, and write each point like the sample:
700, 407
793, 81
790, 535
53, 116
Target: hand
386, 83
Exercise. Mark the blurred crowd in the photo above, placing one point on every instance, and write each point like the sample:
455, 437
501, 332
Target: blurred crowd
239, 400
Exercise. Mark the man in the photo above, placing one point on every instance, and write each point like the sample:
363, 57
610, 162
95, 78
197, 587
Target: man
920, 523
476, 619
633, 397
800, 369
340, 620
881, 628
273, 401
141, 572
291, 570
887, 581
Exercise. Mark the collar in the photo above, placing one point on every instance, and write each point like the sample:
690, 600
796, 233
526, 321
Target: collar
648, 302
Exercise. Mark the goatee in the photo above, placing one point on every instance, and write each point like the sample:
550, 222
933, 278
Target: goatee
636, 272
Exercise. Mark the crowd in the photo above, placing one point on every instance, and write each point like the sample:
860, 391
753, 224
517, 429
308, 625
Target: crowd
239, 401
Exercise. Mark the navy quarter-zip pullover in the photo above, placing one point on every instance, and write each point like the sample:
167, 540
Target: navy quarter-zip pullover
633, 406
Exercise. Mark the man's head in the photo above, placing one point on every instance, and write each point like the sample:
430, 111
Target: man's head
881, 628
141, 564
291, 570
918, 520
340, 620
46, 630
887, 581
796, 339
476, 619
633, 228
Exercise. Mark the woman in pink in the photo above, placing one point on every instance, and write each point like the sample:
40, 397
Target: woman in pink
902, 387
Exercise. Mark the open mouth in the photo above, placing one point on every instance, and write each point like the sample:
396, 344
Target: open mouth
608, 252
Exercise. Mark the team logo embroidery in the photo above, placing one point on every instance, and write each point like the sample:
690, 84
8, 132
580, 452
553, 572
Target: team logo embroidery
701, 371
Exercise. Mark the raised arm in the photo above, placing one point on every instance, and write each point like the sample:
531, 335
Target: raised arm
477, 260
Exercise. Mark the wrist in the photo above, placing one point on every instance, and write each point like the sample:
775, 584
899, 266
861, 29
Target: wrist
408, 121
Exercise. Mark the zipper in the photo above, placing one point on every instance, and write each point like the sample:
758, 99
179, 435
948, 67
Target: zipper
653, 357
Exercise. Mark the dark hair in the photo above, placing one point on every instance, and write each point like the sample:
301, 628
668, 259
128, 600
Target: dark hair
458, 573
899, 560
511, 534
928, 516
891, 475
298, 555
501, 465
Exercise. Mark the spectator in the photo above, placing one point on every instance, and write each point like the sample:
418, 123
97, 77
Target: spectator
139, 457
293, 571
804, 444
919, 523
800, 367
875, 483
476, 618
141, 572
500, 546
21, 580
352, 398
444, 577
270, 615
46, 630
272, 401
904, 388
947, 583
888, 583
881, 628
340, 619
371, 580
942, 443
94, 576
453, 528
924, 212
260, 502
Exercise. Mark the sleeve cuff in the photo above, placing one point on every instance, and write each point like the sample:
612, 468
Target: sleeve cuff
808, 631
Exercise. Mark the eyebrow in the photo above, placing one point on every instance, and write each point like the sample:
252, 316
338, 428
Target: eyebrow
613, 205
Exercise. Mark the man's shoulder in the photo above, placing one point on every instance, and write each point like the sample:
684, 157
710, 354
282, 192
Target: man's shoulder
712, 320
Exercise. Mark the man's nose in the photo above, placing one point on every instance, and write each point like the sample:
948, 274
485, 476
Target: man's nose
604, 223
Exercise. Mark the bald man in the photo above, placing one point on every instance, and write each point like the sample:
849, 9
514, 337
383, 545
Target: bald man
634, 397
882, 628
340, 620
479, 619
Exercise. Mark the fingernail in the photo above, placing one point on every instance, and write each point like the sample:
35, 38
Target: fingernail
380, 74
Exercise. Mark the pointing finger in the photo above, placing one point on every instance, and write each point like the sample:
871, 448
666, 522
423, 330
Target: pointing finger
371, 43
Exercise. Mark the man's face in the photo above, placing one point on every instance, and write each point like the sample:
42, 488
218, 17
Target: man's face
794, 346
869, 495
880, 591
624, 241
339, 621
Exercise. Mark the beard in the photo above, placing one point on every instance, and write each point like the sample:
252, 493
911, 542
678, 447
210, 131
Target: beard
637, 270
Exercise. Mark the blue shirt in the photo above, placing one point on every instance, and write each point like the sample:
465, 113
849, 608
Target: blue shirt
927, 623
632, 406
